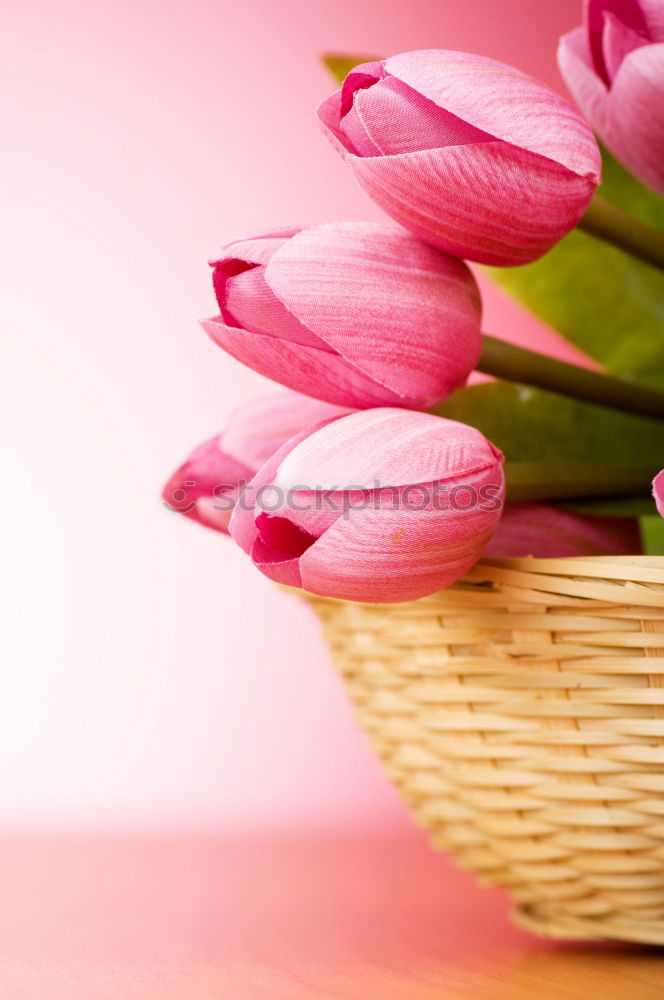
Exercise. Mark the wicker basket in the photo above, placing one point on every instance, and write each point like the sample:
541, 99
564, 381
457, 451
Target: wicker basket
521, 714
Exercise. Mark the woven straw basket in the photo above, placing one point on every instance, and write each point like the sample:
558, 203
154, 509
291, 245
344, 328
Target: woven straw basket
521, 714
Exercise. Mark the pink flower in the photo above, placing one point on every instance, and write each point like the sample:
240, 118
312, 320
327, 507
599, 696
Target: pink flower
471, 155
205, 487
538, 529
614, 68
658, 492
380, 505
355, 313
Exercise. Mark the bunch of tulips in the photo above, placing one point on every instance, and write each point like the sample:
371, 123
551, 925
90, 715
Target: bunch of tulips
349, 483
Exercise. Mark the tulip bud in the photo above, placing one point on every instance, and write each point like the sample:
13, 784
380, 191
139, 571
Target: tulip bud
355, 313
538, 529
206, 486
658, 492
381, 505
614, 68
471, 155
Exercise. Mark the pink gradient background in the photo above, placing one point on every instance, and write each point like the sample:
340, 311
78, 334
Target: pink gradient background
151, 677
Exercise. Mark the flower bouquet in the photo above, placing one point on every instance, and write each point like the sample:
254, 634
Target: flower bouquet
486, 558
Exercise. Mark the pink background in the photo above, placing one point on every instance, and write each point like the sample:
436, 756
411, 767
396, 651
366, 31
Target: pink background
151, 676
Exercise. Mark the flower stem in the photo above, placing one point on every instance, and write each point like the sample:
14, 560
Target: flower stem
517, 364
530, 481
609, 223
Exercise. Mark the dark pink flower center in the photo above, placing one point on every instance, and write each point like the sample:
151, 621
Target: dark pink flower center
279, 539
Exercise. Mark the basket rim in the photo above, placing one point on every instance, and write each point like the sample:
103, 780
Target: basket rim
595, 564
642, 569
619, 580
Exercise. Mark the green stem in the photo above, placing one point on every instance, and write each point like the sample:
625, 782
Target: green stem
529, 481
517, 364
609, 223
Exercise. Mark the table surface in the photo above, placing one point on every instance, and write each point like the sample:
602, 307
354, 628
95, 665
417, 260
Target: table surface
323, 917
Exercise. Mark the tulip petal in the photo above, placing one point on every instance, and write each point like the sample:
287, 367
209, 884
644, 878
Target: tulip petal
658, 492
360, 77
462, 199
509, 105
285, 571
329, 116
390, 446
242, 525
629, 117
635, 115
397, 119
315, 511
256, 430
305, 369
389, 555
595, 11
618, 42
207, 486
215, 512
195, 489
583, 83
396, 290
240, 257
248, 301
356, 135
537, 529
653, 13
255, 250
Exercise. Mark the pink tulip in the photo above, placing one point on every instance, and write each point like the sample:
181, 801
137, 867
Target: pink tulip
381, 505
206, 486
614, 68
658, 492
471, 155
355, 313
537, 529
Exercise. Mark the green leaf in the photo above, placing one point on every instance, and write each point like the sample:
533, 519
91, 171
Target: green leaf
531, 425
341, 65
607, 302
652, 535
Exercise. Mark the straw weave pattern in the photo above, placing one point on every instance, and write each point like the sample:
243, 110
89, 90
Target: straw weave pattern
521, 714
